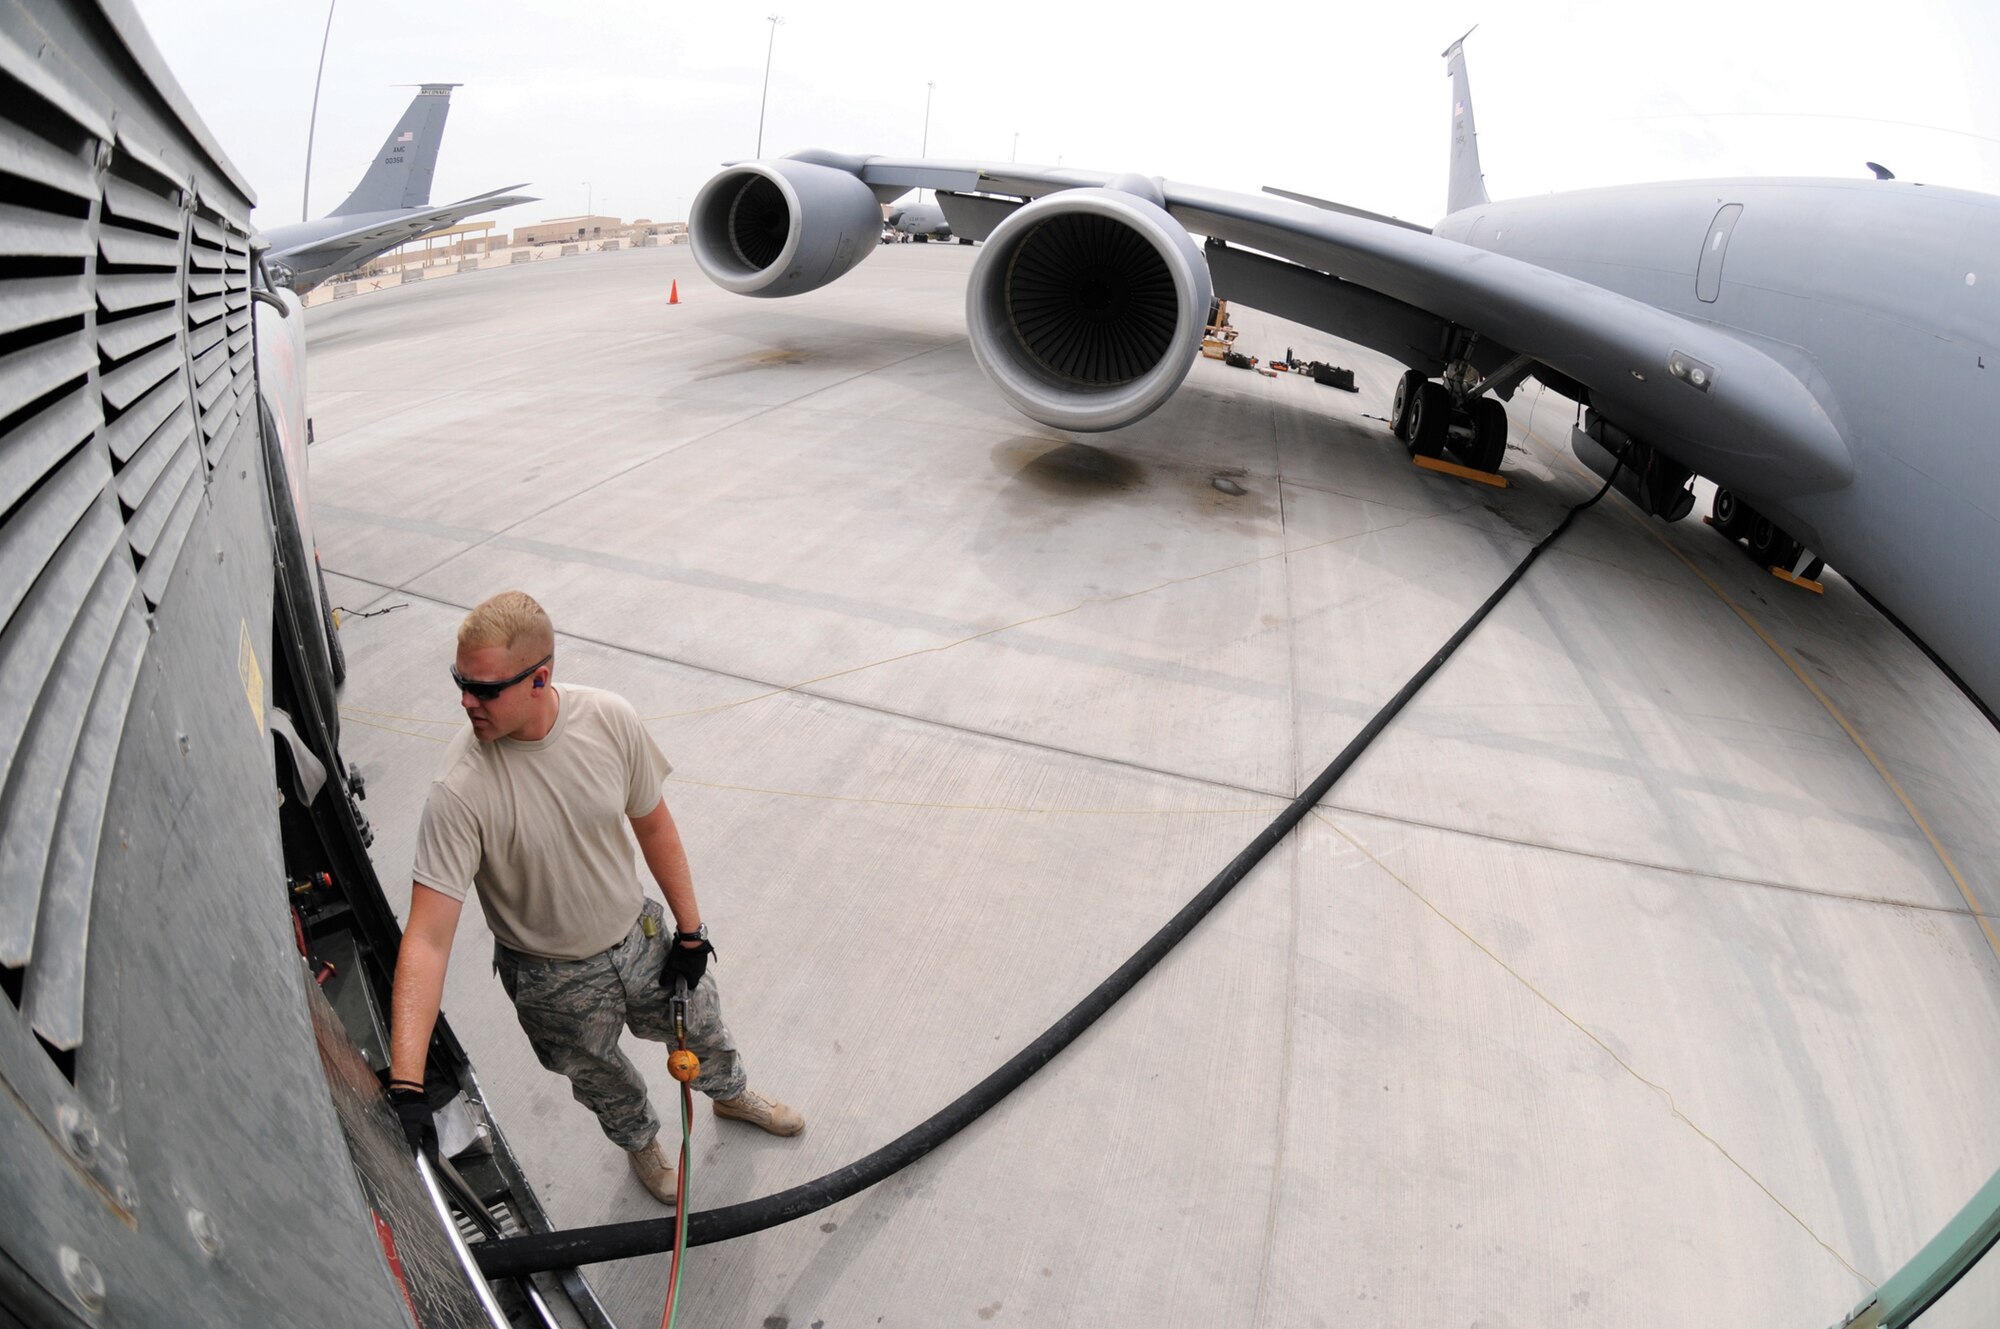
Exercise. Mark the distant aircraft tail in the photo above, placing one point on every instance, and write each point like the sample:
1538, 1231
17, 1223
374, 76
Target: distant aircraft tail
1468, 182
400, 176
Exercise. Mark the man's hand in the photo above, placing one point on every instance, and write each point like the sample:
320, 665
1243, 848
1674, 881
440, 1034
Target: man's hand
685, 961
419, 1123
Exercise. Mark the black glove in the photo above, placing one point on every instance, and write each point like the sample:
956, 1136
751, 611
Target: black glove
413, 1110
685, 962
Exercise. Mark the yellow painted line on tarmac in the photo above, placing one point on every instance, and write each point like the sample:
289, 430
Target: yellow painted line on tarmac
1895, 785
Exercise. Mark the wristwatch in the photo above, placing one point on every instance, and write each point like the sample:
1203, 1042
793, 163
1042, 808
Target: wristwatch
699, 934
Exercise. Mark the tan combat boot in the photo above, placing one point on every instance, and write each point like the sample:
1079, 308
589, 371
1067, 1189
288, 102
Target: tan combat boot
758, 1110
655, 1173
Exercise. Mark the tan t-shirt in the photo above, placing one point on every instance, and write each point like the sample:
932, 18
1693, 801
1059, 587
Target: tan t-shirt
541, 828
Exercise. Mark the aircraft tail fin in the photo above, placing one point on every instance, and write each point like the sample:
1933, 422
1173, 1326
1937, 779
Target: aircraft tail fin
400, 175
1468, 182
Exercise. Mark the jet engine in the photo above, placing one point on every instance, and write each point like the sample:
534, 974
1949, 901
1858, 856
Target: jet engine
1086, 307
782, 227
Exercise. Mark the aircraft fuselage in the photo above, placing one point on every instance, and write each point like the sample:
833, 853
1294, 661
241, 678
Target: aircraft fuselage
1883, 297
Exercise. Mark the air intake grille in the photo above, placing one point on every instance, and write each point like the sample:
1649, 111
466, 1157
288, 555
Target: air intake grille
125, 370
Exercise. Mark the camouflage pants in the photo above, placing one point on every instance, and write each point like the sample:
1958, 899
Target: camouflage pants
573, 1011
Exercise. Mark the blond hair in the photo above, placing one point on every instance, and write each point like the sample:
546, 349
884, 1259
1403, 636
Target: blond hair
511, 619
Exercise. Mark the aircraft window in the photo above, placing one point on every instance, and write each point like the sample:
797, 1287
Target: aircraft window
1708, 276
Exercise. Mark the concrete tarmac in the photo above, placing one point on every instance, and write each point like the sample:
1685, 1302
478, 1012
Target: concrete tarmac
1633, 977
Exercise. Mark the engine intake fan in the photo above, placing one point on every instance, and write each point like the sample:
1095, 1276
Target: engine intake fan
1086, 308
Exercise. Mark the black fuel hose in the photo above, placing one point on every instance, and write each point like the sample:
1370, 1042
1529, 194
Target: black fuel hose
514, 1256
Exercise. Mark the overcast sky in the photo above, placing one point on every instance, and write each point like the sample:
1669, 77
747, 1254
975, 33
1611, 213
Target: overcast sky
631, 104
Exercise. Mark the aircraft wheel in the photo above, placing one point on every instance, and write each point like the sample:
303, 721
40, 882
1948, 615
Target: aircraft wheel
1399, 410
1732, 515
1489, 434
1769, 544
922, 239
1430, 417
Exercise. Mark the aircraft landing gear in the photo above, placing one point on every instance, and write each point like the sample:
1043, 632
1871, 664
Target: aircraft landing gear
1406, 400
1730, 515
1487, 447
1427, 420
1430, 420
1767, 542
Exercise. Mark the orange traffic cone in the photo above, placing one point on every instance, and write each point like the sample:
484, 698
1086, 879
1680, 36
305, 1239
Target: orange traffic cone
674, 295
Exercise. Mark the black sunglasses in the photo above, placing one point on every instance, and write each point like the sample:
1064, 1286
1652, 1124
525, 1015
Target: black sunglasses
486, 691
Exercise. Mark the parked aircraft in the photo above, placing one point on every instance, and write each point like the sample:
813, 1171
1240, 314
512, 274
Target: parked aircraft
921, 222
391, 206
1827, 351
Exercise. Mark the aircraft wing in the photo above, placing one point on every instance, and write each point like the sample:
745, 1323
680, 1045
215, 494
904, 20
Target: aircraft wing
1753, 417
318, 258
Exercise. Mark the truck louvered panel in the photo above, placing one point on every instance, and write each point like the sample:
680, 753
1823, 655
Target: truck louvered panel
30, 301
203, 311
200, 284
208, 233
238, 302
35, 371
211, 382
205, 258
137, 426
32, 536
137, 249
26, 68
37, 234
139, 475
129, 382
159, 568
200, 342
28, 652
159, 168
31, 157
215, 417
225, 432
33, 793
39, 445
134, 203
120, 339
143, 531
125, 292
52, 997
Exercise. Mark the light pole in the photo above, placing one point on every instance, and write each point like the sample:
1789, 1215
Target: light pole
925, 150
774, 20
589, 194
305, 195
1016, 153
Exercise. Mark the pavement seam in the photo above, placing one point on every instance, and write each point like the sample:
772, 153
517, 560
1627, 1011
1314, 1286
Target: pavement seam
1286, 1040
361, 716
374, 719
1666, 1094
1646, 865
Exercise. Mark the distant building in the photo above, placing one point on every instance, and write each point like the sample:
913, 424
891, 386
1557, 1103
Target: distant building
569, 230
